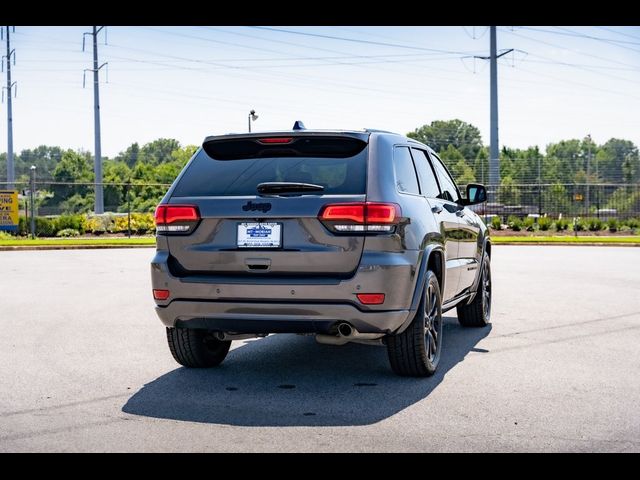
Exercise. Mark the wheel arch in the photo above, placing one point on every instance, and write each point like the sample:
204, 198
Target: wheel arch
433, 259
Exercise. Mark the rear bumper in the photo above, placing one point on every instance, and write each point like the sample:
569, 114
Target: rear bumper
268, 305
276, 317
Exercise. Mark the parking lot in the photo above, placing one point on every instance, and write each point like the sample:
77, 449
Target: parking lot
84, 366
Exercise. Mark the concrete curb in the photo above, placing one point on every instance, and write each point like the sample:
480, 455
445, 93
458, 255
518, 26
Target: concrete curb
6, 248
568, 244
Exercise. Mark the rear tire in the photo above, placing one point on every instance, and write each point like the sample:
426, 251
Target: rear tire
416, 351
478, 312
195, 348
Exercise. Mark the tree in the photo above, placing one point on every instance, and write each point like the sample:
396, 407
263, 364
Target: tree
611, 158
441, 133
74, 167
158, 151
459, 168
130, 155
481, 165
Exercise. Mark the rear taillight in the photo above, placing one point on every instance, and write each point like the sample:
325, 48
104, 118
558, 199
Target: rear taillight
369, 217
176, 219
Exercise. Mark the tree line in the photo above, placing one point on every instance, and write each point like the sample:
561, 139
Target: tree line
459, 144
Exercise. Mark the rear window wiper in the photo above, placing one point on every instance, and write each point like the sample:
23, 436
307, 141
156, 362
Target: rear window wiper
288, 187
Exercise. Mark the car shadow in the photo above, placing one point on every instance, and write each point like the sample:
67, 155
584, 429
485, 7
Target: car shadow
290, 380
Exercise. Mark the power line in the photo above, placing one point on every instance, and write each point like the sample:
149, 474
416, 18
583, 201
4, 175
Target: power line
585, 68
618, 32
570, 49
571, 33
355, 40
600, 39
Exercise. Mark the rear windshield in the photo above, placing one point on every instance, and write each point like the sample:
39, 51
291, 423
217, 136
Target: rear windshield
235, 168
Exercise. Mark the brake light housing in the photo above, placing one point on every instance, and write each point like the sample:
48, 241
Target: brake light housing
176, 219
361, 217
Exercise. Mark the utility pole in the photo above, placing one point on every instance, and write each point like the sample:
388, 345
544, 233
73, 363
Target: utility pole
97, 160
588, 198
539, 186
9, 87
33, 204
494, 150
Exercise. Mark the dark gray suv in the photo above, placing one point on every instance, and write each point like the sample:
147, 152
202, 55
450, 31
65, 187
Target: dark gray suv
351, 236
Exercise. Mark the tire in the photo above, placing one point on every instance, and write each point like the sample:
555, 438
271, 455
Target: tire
478, 312
416, 351
196, 348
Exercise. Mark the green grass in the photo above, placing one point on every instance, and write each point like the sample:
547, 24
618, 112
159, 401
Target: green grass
39, 242
567, 239
150, 241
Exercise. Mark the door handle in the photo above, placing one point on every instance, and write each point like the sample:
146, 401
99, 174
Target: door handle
436, 209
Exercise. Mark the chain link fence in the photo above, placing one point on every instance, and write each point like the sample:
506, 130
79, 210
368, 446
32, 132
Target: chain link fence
130, 205
602, 200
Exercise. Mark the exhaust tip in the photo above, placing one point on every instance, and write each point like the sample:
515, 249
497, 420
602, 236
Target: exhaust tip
345, 330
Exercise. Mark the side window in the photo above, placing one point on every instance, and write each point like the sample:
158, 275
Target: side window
406, 179
428, 182
448, 186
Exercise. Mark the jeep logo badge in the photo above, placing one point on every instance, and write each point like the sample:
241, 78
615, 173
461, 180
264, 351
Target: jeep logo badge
250, 206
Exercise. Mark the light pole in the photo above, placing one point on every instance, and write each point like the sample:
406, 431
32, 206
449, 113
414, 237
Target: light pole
252, 116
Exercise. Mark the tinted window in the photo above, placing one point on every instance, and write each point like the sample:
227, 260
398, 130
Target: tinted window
449, 189
406, 179
239, 177
428, 183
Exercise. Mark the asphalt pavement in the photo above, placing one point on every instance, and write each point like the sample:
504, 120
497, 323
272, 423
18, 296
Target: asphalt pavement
84, 366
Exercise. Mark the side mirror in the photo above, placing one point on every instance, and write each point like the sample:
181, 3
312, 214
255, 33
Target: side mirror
476, 193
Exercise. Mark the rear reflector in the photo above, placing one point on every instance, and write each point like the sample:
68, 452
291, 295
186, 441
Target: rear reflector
371, 298
176, 218
161, 294
276, 140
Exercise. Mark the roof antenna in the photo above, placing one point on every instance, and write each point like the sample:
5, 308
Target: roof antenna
299, 125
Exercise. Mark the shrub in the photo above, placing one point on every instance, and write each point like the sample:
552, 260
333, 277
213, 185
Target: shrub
496, 223
529, 224
632, 223
561, 224
99, 224
73, 222
6, 235
594, 224
579, 225
45, 227
140, 223
544, 223
68, 232
515, 223
613, 224
143, 222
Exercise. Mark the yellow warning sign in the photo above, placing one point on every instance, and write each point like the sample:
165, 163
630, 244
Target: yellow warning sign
8, 210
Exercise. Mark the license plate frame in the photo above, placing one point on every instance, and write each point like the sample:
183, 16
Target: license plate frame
259, 235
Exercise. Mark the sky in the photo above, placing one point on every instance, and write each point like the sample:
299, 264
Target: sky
190, 82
